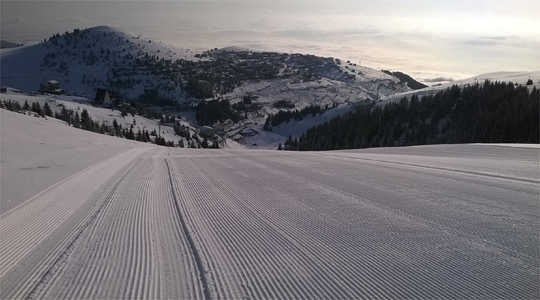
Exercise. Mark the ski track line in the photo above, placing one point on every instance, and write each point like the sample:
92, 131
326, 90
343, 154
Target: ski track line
322, 281
374, 291
281, 172
448, 170
192, 288
477, 180
306, 289
199, 226
135, 250
251, 245
224, 285
108, 199
26, 228
431, 211
191, 243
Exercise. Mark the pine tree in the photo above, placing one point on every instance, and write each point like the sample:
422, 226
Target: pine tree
76, 120
47, 109
86, 120
26, 106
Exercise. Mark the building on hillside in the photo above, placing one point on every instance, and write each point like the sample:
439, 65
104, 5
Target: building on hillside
102, 97
206, 131
227, 124
51, 86
221, 127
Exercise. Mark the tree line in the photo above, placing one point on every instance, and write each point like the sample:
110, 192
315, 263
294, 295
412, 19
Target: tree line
211, 112
492, 112
298, 115
85, 122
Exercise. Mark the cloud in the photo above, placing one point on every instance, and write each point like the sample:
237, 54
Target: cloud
480, 42
321, 33
438, 79
257, 24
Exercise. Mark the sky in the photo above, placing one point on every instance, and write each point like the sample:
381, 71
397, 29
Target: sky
429, 40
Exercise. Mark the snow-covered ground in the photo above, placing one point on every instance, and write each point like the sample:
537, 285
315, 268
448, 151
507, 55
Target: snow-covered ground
121, 65
127, 220
107, 115
514, 77
297, 128
25, 68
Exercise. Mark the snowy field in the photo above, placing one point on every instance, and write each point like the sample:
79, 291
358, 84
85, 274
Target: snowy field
113, 219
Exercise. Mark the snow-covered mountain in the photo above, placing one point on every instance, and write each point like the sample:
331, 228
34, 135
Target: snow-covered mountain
517, 77
84, 60
134, 67
104, 57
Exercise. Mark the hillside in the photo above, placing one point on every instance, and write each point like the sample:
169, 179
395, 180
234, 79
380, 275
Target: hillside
132, 67
514, 77
6, 44
106, 117
94, 217
491, 112
404, 78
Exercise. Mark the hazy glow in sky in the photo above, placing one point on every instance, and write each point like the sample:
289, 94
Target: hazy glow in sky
426, 39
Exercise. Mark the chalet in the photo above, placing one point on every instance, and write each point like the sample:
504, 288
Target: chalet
102, 97
51, 86
227, 124
206, 131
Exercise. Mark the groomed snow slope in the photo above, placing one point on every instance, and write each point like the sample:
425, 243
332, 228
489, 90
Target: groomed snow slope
449, 221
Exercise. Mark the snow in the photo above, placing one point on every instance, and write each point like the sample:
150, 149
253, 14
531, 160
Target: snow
37, 153
534, 146
100, 114
24, 68
106, 218
514, 77
297, 128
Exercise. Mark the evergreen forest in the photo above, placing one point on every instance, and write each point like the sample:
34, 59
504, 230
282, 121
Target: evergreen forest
489, 112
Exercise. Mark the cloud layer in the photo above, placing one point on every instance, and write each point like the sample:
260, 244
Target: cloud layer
427, 38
